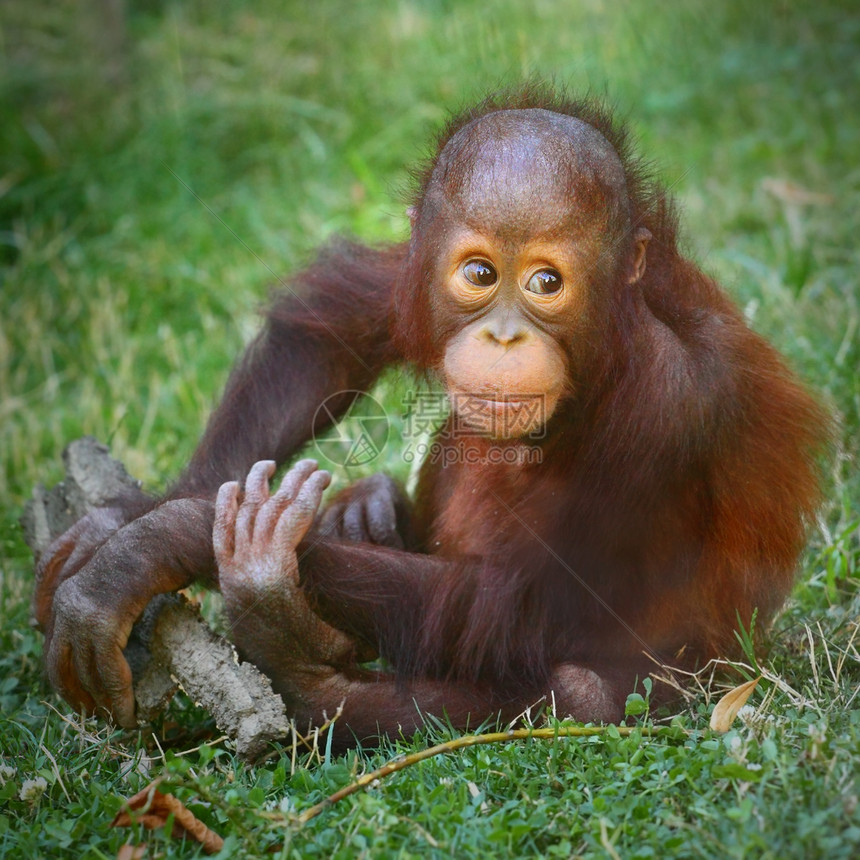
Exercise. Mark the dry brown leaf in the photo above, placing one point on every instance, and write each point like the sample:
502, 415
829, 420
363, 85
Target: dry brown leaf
151, 808
790, 192
727, 708
131, 852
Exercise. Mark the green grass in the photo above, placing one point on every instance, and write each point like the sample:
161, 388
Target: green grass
125, 297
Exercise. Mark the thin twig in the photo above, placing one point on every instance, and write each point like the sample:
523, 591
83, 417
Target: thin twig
405, 761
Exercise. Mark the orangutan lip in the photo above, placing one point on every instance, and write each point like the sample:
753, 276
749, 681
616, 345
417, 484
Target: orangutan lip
502, 398
500, 404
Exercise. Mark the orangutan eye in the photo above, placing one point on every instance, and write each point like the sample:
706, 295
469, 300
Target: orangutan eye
480, 273
544, 282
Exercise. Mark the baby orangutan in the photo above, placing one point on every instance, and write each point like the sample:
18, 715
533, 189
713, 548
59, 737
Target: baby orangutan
626, 471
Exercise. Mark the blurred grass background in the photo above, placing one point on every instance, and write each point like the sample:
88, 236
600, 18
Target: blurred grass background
162, 164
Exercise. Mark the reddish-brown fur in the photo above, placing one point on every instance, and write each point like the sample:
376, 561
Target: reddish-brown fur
671, 500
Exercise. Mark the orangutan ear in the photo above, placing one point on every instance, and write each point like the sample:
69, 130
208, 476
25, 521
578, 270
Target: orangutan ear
641, 238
